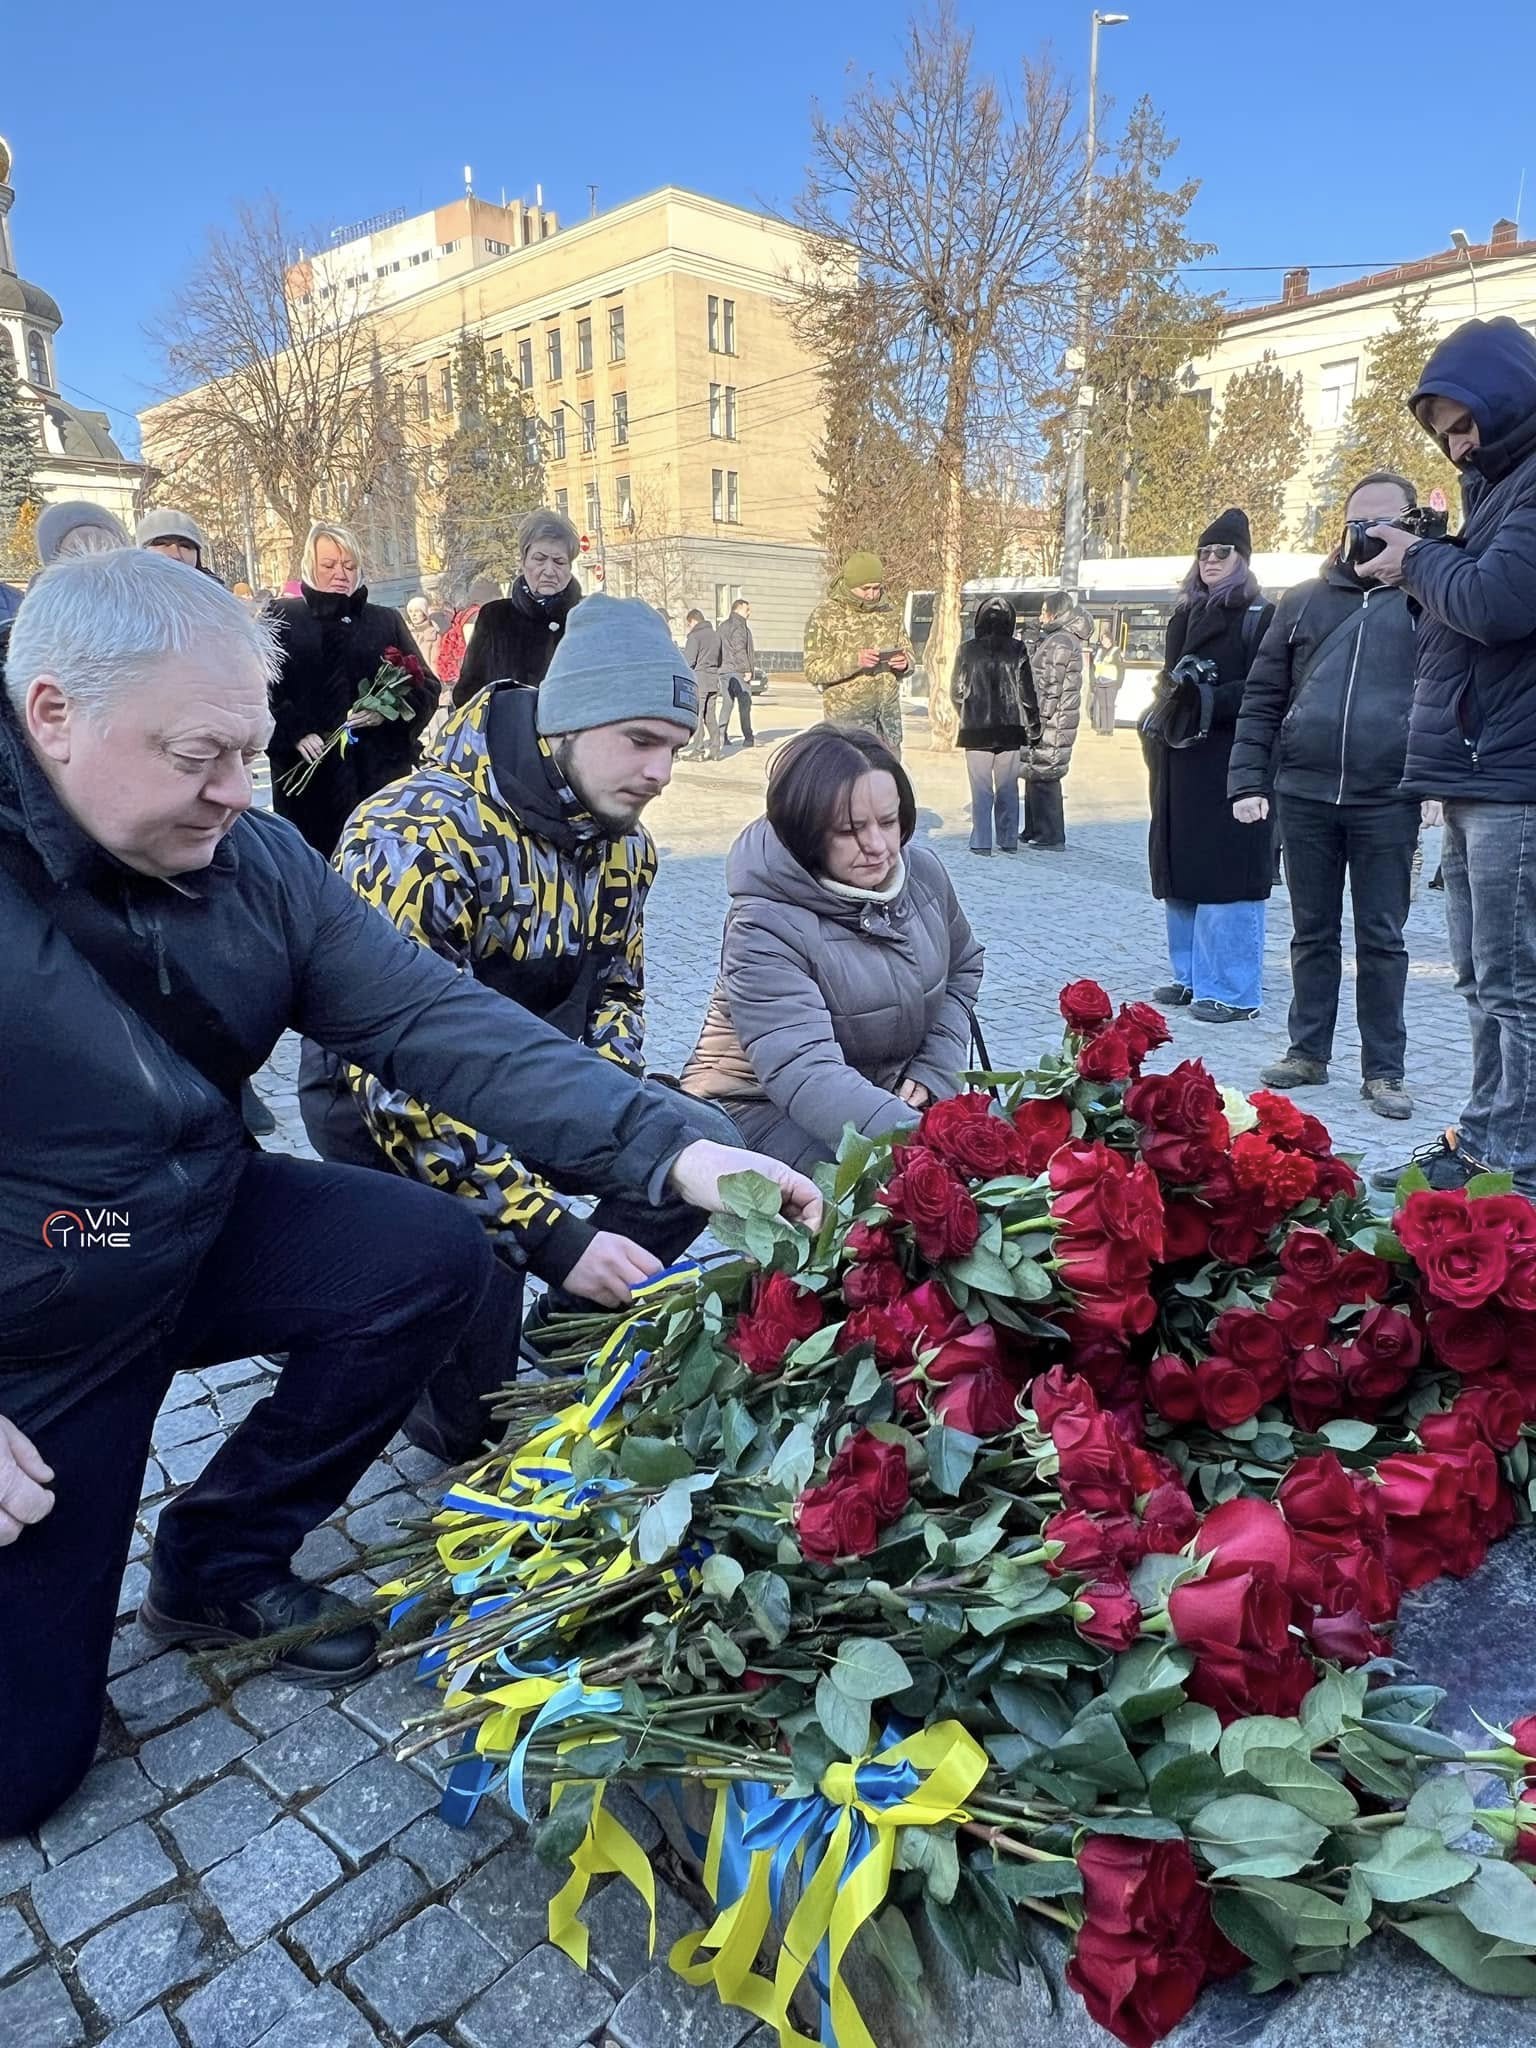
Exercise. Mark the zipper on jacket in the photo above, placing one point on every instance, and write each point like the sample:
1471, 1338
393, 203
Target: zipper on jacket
1349, 692
162, 978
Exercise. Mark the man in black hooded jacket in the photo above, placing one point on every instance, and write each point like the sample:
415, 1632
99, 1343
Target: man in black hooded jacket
1472, 731
1323, 728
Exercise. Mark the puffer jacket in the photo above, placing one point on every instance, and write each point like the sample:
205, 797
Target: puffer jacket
1472, 733
1342, 720
487, 857
272, 940
1058, 673
826, 1002
992, 688
738, 651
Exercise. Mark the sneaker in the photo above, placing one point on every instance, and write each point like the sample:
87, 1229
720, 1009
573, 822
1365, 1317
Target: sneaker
1443, 1164
1295, 1071
1209, 1012
1174, 995
348, 1649
1388, 1098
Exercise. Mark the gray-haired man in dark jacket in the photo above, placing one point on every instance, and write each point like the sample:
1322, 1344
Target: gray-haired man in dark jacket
1323, 729
159, 935
1472, 732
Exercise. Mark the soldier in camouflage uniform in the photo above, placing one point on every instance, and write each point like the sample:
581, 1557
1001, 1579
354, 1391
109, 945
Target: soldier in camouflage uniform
856, 651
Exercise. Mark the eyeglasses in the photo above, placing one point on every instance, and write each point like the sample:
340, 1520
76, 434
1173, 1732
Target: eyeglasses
1215, 554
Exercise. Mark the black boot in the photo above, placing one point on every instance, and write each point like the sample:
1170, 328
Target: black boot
348, 1650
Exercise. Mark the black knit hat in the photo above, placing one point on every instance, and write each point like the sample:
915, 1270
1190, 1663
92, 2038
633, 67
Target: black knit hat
1230, 530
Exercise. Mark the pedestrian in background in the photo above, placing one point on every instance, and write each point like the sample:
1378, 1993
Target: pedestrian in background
702, 650
515, 636
1323, 730
76, 527
1059, 662
1212, 874
1108, 674
739, 658
993, 693
856, 652
424, 629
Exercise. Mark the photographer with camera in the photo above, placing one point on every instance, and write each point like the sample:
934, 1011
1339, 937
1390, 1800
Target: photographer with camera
1323, 730
1472, 730
1212, 874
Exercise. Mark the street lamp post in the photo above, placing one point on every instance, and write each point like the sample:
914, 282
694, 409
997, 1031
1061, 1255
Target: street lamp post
1459, 241
1077, 357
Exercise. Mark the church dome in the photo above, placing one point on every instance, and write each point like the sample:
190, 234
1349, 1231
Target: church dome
17, 296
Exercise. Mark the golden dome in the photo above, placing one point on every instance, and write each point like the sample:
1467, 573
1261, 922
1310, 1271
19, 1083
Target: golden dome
6, 160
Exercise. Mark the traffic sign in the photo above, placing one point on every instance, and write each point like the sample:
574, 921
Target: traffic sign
586, 544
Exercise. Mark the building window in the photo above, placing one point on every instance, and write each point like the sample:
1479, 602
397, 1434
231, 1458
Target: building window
623, 501
714, 324
450, 248
498, 365
594, 508
615, 334
584, 343
730, 412
728, 327
556, 362
717, 495
714, 411
563, 502
726, 595
589, 426
621, 419
557, 434
525, 361
497, 248
421, 396
445, 386
37, 360
531, 440
732, 498
1336, 392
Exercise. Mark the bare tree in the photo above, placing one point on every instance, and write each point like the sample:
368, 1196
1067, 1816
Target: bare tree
653, 553
958, 200
279, 373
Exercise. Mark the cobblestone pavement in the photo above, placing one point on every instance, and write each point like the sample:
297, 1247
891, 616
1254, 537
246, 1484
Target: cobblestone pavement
251, 1865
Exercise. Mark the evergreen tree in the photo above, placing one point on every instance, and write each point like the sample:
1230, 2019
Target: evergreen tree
19, 448
1379, 432
488, 474
1257, 447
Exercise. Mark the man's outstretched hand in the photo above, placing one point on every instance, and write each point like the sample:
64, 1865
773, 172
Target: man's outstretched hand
698, 1171
24, 1483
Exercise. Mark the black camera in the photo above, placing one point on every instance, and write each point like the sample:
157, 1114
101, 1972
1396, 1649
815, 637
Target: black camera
1422, 521
1195, 668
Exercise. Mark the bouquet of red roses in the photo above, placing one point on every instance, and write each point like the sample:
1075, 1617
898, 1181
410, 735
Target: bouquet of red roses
387, 696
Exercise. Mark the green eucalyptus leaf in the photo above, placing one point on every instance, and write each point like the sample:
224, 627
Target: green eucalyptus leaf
557, 1838
1414, 1740
720, 1576
727, 1653
795, 1459
818, 1346
1055, 1880
1259, 1731
845, 1720
1329, 1704
867, 1382
1445, 1804
933, 1853
866, 1668
1387, 1776
767, 1598
985, 1270
1147, 1681
749, 1194
1308, 1918
1249, 1836
653, 1460
738, 1431
1253, 1931
1196, 1727
1347, 1434
1302, 1784
665, 1522
1182, 1788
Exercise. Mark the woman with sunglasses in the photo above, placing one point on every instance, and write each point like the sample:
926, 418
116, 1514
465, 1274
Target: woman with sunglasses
1212, 875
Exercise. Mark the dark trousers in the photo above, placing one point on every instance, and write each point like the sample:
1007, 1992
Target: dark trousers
367, 1284
1373, 844
1044, 814
707, 742
1101, 707
739, 698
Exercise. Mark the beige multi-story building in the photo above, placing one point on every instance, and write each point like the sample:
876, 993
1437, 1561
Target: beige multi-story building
678, 413
1322, 335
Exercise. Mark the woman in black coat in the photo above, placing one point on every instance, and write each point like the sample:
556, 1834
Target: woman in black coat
516, 635
1212, 874
994, 696
333, 641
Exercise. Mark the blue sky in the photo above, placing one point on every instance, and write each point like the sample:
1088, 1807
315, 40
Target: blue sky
1325, 133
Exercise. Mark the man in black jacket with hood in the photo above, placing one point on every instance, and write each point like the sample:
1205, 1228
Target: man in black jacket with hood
1331, 683
1472, 732
158, 936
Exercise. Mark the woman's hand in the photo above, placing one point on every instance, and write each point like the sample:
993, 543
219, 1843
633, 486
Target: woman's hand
361, 720
311, 747
26, 1494
914, 1094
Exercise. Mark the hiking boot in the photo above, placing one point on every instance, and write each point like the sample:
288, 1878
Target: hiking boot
1209, 1012
1443, 1163
1295, 1071
1388, 1098
1174, 995
349, 1650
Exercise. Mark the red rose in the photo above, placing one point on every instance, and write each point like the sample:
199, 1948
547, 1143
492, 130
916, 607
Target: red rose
1086, 1007
935, 1201
876, 1328
835, 1521
1470, 1341
1346, 1638
1245, 1534
1314, 1139
1360, 1276
1253, 1340
1235, 1685
1432, 1217
870, 1241
1317, 1389
1145, 1027
1522, 1736
1491, 1414
1059, 1392
877, 1469
1173, 1389
1308, 1256
1109, 1057
1520, 1287
1186, 1230
1042, 1124
983, 1403
1466, 1271
1247, 1612
1092, 1544
1356, 1580
1322, 1500
1229, 1393
1305, 1325
1525, 1841
1278, 1115
873, 1283
1114, 1619
1381, 1360
972, 1349
1513, 1215
1235, 1240
1168, 1519
929, 1312
965, 1134
1148, 1942
781, 1314
1443, 1510
1334, 1176
1183, 1128
1095, 1464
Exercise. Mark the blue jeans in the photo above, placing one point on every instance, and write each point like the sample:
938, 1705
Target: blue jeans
1217, 949
994, 799
1490, 913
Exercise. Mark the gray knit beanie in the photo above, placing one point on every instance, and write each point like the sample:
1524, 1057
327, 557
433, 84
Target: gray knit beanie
616, 660
76, 527
167, 524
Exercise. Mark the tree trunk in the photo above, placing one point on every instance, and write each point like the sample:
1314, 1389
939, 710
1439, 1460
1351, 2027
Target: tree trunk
945, 637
